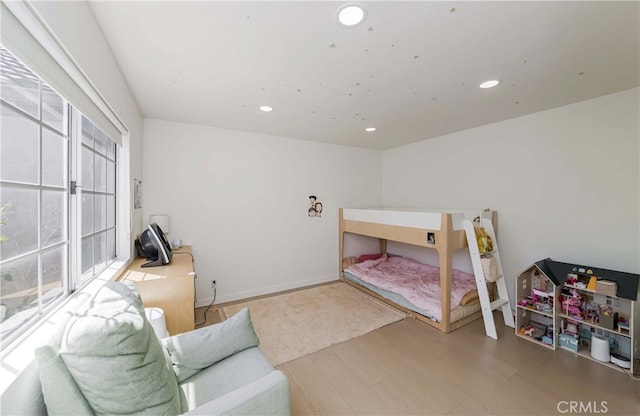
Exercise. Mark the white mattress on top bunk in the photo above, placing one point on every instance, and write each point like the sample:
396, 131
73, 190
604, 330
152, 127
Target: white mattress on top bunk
430, 220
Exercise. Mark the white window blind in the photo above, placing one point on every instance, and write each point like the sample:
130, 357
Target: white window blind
29, 39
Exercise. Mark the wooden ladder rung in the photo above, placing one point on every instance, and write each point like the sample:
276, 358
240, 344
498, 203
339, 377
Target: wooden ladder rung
498, 303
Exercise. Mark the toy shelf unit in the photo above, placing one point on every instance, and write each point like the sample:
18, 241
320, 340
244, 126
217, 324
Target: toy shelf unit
598, 314
594, 312
536, 294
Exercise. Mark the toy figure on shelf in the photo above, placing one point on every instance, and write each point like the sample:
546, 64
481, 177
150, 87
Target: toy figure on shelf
623, 325
571, 328
606, 310
545, 307
534, 299
571, 305
529, 301
527, 330
590, 312
572, 280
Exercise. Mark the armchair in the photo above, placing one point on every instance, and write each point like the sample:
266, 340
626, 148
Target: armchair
107, 359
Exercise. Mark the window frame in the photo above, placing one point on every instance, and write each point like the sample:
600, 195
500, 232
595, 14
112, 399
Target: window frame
26, 34
83, 277
39, 187
71, 278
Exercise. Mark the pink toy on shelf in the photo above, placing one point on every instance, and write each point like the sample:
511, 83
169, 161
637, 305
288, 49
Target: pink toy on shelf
575, 312
572, 305
529, 300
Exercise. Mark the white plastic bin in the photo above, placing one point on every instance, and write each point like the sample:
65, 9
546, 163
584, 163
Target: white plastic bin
155, 316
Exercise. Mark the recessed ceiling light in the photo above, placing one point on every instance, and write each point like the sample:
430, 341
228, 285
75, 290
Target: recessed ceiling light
266, 108
370, 129
351, 15
490, 84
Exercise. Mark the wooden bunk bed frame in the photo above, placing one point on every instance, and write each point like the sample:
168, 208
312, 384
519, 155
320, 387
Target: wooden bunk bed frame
447, 240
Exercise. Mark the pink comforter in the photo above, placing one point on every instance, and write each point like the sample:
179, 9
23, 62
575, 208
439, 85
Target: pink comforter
418, 283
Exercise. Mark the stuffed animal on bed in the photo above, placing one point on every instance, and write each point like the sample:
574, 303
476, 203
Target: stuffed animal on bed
348, 261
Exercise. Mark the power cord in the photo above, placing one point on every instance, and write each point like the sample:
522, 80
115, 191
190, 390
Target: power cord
207, 310
195, 290
186, 252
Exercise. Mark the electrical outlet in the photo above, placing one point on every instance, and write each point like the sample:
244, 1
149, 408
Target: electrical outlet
213, 284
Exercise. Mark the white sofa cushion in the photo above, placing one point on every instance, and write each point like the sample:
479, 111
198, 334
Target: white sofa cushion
225, 376
268, 395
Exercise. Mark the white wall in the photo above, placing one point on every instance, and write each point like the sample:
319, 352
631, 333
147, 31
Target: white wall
565, 182
240, 199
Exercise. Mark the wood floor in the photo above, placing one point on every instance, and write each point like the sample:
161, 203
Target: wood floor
409, 368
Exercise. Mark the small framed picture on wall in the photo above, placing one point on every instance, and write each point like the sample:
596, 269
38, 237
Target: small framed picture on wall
315, 207
137, 193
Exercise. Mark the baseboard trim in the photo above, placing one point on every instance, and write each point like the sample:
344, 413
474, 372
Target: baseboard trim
232, 297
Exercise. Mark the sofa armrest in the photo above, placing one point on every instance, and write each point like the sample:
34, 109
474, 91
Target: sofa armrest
268, 395
192, 351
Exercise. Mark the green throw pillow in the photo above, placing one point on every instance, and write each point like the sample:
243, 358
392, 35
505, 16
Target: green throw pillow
60, 391
195, 350
115, 358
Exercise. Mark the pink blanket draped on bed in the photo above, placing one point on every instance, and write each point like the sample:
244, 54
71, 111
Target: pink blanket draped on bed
418, 283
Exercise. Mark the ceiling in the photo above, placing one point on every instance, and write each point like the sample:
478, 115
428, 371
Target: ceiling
411, 69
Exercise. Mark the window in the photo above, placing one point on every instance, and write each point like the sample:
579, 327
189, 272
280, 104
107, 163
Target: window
98, 210
45, 144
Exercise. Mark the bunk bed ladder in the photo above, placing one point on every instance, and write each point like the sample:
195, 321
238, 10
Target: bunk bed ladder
502, 299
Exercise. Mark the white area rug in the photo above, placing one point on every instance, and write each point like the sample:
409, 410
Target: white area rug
295, 324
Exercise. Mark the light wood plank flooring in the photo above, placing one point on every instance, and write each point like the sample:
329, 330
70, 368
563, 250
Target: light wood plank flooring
410, 368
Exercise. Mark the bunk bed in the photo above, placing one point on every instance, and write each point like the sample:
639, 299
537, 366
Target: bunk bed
439, 230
